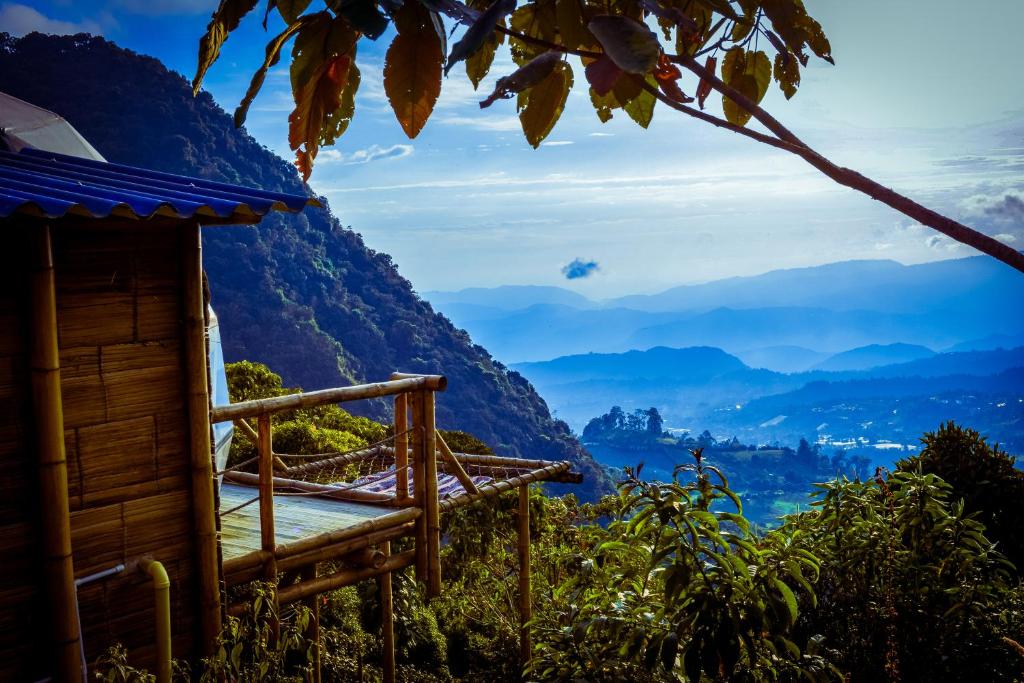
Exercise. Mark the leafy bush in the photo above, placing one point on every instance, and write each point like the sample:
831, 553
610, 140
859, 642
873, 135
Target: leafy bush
910, 587
680, 587
984, 476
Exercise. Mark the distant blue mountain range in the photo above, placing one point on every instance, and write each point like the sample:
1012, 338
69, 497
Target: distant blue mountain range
960, 304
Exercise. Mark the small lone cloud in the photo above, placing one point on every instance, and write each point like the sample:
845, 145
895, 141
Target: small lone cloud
578, 268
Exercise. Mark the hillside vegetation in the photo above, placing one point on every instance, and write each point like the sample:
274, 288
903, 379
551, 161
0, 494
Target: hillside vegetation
301, 293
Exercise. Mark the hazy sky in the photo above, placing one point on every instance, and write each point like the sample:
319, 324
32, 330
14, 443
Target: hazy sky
926, 96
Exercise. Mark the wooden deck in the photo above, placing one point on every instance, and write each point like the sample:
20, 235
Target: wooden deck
295, 518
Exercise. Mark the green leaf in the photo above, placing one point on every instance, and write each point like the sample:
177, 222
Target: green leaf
476, 34
630, 44
641, 107
479, 63
291, 9
572, 24
225, 20
363, 15
412, 68
788, 598
787, 73
603, 105
540, 106
749, 73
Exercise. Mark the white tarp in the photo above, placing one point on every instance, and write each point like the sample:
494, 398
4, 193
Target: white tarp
25, 124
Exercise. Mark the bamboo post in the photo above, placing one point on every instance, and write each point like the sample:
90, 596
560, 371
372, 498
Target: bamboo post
313, 631
48, 410
431, 510
265, 450
525, 606
401, 448
387, 621
200, 445
419, 484
251, 434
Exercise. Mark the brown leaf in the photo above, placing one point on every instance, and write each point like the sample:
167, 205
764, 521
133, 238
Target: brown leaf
704, 87
225, 20
602, 74
320, 96
412, 68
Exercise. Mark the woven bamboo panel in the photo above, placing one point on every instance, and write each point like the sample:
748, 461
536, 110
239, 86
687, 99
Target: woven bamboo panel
160, 525
172, 455
84, 400
140, 356
79, 362
96, 320
13, 321
138, 393
117, 454
99, 538
159, 316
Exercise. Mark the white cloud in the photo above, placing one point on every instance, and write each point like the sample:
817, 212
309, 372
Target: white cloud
557, 143
19, 20
601, 135
1006, 237
365, 156
167, 7
501, 124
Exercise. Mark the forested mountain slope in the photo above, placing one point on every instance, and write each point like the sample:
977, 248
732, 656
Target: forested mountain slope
300, 293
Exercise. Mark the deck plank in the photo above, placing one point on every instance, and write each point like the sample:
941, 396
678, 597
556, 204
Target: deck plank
295, 517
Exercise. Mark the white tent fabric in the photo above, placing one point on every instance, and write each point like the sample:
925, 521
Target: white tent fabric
26, 125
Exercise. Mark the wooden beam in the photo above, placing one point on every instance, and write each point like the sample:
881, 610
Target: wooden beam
323, 490
51, 459
525, 603
345, 577
460, 474
250, 433
430, 503
310, 399
264, 447
419, 484
497, 487
200, 440
387, 621
268, 535
401, 447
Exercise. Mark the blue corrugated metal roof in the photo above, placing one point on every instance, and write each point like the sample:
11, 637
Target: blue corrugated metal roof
40, 183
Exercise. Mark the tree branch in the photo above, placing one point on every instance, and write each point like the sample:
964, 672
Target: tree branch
854, 180
717, 122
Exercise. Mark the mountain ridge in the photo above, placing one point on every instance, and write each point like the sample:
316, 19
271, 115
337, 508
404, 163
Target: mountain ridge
301, 293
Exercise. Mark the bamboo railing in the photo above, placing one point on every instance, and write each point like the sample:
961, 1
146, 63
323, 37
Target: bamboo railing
418, 449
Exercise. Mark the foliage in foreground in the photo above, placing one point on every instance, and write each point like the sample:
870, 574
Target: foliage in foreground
893, 578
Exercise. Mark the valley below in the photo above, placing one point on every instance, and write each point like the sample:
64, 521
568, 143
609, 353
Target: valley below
856, 359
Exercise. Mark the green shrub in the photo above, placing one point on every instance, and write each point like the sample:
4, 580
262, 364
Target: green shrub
984, 476
910, 587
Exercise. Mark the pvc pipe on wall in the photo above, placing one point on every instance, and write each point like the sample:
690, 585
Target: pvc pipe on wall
162, 612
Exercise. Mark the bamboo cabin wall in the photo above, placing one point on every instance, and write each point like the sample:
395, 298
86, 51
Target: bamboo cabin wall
22, 615
119, 315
